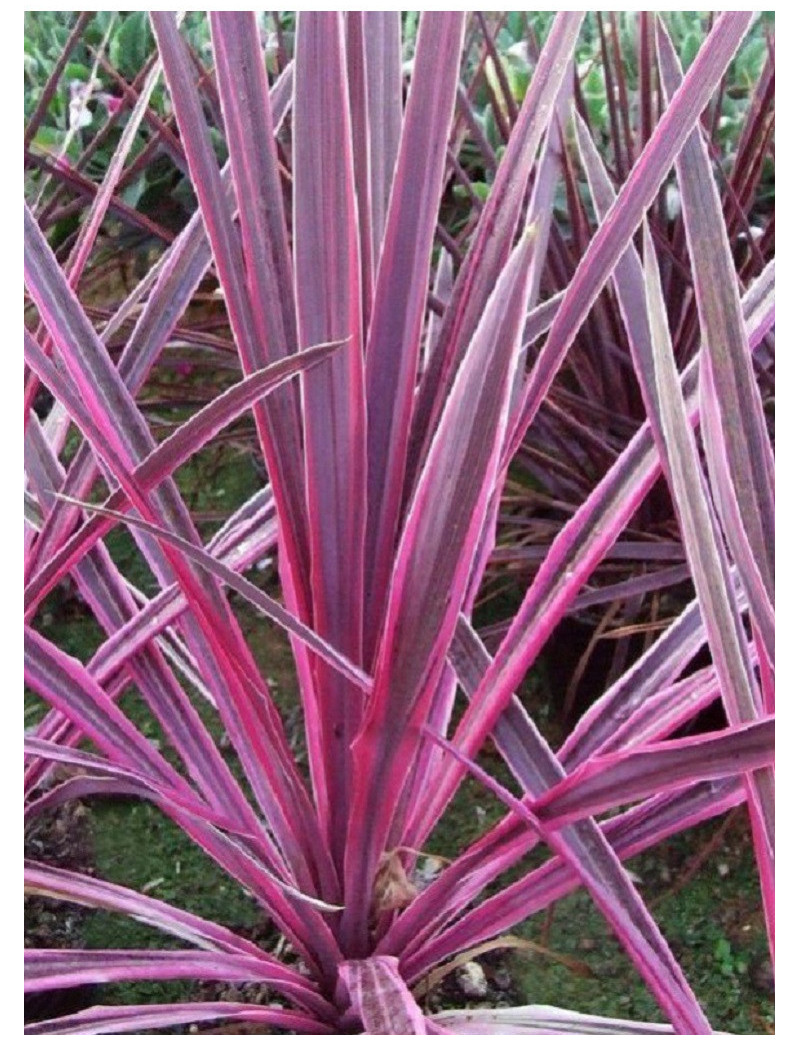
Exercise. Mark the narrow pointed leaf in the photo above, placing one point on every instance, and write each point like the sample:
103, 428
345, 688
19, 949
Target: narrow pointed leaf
610, 780
135, 1018
631, 833
737, 445
441, 534
537, 1019
66, 684
384, 82
586, 849
329, 305
705, 553
393, 345
575, 553
495, 232
239, 287
61, 969
55, 883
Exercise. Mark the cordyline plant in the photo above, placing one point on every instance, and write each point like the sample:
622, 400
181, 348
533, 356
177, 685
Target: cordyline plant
387, 425
595, 404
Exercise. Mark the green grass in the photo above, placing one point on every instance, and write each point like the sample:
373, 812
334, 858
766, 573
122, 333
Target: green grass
712, 923
136, 845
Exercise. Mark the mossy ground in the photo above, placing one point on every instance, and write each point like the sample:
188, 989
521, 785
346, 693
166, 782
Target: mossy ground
712, 923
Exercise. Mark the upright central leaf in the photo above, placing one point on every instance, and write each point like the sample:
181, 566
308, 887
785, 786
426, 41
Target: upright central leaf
431, 572
381, 998
401, 291
328, 286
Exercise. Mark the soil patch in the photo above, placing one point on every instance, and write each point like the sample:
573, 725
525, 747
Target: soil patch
61, 838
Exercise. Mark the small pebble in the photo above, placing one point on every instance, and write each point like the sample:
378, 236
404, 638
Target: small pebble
471, 980
723, 869
427, 872
586, 943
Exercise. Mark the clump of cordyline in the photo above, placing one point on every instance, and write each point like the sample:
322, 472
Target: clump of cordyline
594, 404
387, 431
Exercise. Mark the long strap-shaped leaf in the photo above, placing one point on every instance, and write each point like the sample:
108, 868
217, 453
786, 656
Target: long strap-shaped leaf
605, 249
645, 710
136, 1018
105, 775
266, 604
624, 770
258, 338
62, 681
491, 244
600, 491
53, 882
380, 997
247, 542
624, 776
705, 553
393, 345
375, 88
164, 459
246, 538
356, 76
61, 969
430, 578
168, 288
541, 1019
629, 284
51, 376
636, 707
735, 436
212, 832
90, 227
197, 431
539, 213
66, 684
384, 88
178, 274
328, 282
112, 603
